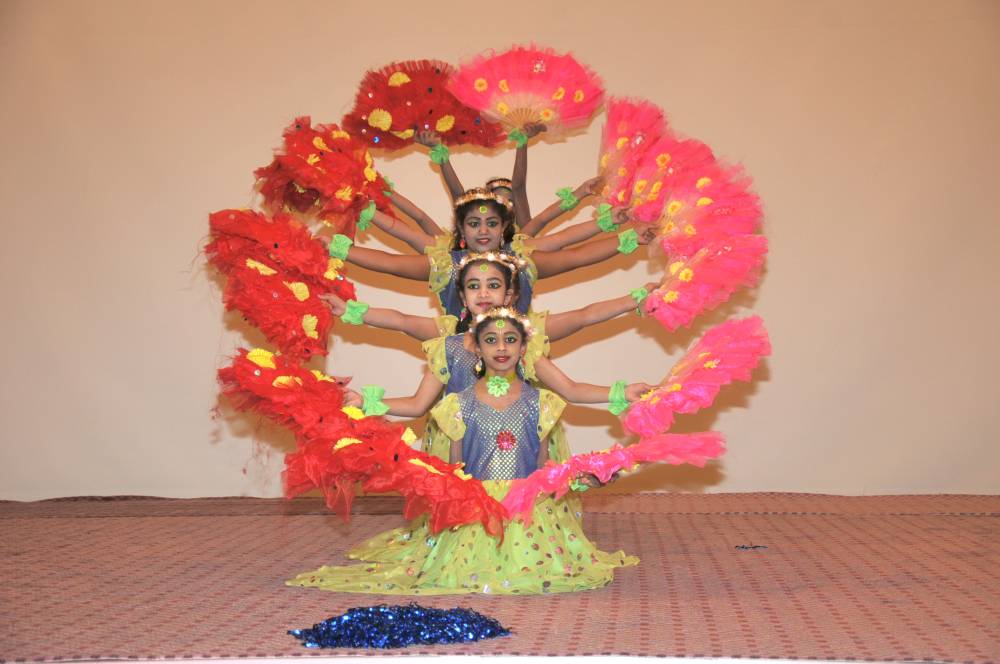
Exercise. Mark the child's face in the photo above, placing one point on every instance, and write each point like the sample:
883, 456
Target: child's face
501, 346
485, 287
482, 228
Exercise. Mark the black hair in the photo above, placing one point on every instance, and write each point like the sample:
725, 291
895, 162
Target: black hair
506, 218
480, 368
509, 272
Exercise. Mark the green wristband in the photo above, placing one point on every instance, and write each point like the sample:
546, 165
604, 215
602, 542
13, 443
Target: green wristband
617, 403
355, 313
628, 241
340, 245
373, 404
639, 295
439, 153
604, 219
577, 485
567, 200
366, 216
518, 137
391, 186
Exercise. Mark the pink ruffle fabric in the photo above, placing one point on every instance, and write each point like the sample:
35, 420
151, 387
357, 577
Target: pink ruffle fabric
555, 479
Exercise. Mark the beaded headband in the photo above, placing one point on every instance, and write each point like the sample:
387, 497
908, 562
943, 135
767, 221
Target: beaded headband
509, 260
480, 194
505, 312
494, 183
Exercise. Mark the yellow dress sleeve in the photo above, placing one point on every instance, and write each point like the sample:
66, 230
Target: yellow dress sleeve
538, 344
550, 408
439, 254
437, 358
448, 415
446, 325
523, 250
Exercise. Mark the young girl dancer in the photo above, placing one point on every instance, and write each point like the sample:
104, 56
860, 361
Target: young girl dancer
498, 426
487, 281
513, 189
484, 223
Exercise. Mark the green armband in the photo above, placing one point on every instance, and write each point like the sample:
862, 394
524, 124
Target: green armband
604, 219
439, 153
366, 216
617, 403
518, 137
340, 245
628, 241
639, 295
567, 199
355, 313
373, 404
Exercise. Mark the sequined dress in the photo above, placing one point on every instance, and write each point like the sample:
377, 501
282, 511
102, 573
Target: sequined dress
550, 555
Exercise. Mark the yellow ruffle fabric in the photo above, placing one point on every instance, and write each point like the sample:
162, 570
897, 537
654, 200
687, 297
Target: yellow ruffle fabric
522, 249
439, 254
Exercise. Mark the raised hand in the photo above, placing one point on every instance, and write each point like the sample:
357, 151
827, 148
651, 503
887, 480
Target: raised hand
337, 306
427, 137
635, 391
623, 215
591, 187
591, 480
533, 129
353, 398
646, 235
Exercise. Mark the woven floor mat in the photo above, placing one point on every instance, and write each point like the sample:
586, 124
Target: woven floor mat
796, 576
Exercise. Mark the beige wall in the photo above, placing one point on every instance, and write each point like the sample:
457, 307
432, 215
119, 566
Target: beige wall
870, 127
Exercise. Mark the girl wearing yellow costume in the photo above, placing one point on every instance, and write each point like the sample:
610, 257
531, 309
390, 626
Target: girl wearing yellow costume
497, 427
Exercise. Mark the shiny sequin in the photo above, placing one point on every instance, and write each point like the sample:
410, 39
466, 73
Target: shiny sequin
398, 627
482, 453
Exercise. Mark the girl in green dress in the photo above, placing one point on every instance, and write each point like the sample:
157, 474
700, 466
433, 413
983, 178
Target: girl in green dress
498, 428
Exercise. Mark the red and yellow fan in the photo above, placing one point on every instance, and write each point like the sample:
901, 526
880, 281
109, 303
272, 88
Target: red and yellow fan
275, 270
339, 447
322, 172
529, 84
632, 125
404, 97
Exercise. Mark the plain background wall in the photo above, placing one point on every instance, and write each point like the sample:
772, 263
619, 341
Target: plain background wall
871, 129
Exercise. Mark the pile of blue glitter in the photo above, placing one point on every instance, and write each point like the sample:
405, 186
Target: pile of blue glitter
398, 627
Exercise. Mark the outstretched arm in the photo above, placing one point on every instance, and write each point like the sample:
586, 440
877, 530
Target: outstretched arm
421, 400
577, 233
410, 209
408, 267
550, 263
576, 392
401, 231
561, 325
431, 139
554, 211
418, 327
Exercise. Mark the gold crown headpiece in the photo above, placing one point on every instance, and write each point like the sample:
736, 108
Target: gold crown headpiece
506, 183
513, 262
505, 312
481, 194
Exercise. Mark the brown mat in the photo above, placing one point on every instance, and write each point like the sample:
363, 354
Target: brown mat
900, 578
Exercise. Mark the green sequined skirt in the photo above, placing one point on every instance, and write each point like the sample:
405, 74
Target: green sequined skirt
551, 555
